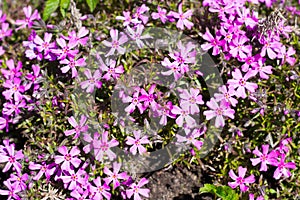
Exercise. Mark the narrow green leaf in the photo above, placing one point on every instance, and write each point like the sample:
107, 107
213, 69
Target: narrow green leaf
92, 4
51, 6
64, 4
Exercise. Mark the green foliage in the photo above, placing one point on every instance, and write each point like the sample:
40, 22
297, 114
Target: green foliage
92, 4
51, 6
64, 5
223, 192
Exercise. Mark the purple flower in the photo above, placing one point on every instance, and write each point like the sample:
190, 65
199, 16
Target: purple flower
226, 95
15, 89
241, 83
73, 179
103, 147
78, 38
264, 157
92, 81
190, 99
71, 63
148, 98
10, 107
190, 138
262, 70
174, 68
112, 70
237, 47
99, 190
116, 43
137, 36
283, 168
10, 157
5, 31
240, 180
114, 175
134, 102
30, 17
78, 128
66, 49
33, 78
218, 111
127, 19
12, 191
213, 42
245, 17
184, 116
44, 45
137, 142
185, 55
285, 55
161, 14
47, 169
136, 190
182, 18
139, 13
68, 158
270, 46
12, 70
165, 111
20, 180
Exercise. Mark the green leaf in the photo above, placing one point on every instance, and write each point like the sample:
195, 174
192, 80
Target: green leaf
92, 4
64, 5
51, 6
208, 188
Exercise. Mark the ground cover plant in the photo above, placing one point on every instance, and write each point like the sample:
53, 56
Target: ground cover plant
98, 97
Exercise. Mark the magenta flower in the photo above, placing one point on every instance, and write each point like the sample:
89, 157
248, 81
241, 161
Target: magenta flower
226, 95
30, 17
165, 111
240, 180
190, 99
73, 179
32, 52
161, 14
149, 98
20, 180
283, 168
4, 122
71, 63
241, 83
245, 17
103, 147
270, 47
214, 43
112, 70
11, 157
12, 70
12, 191
78, 128
134, 102
44, 168
285, 55
5, 31
2, 17
182, 18
237, 47
137, 36
139, 13
44, 45
264, 158
92, 82
185, 55
114, 176
190, 138
127, 19
99, 191
184, 116
137, 142
136, 190
66, 49
263, 71
33, 78
174, 68
79, 38
68, 158
218, 111
15, 107
116, 43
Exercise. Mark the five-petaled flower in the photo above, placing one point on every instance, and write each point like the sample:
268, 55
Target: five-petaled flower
240, 180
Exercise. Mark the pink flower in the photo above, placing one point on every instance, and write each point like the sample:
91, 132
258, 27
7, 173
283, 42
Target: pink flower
10, 107
92, 81
127, 19
240, 180
283, 168
12, 70
237, 47
262, 70
270, 46
78, 128
182, 18
72, 63
190, 138
112, 71
33, 78
245, 17
48, 170
184, 116
12, 191
241, 83
139, 13
165, 111
30, 17
161, 14
11, 157
103, 147
226, 95
15, 89
137, 142
134, 102
190, 99
73, 179
149, 98
99, 191
136, 190
174, 68
20, 180
115, 175
264, 157
68, 158
78, 38
5, 31
66, 49
137, 35
218, 111
44, 45
213, 42
285, 55
116, 43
